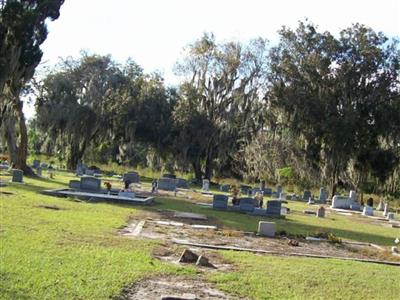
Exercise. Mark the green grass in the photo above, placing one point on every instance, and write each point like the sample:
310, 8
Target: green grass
267, 277
76, 253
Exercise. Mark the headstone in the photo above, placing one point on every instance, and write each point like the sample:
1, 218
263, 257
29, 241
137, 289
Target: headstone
368, 211
244, 189
127, 194
322, 195
133, 177
306, 195
247, 204
274, 208
285, 210
17, 175
90, 183
220, 202
353, 196
295, 197
182, 183
169, 176
267, 191
89, 172
341, 202
36, 164
74, 184
279, 190
166, 184
206, 185
44, 166
39, 171
321, 212
386, 209
225, 188
390, 216
355, 206
79, 170
310, 201
282, 196
266, 228
370, 202
381, 206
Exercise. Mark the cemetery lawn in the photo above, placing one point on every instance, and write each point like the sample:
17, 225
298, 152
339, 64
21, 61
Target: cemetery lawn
55, 248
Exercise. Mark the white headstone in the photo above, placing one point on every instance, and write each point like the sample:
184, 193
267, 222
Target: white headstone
206, 185
341, 202
266, 228
353, 196
368, 211
386, 209
381, 206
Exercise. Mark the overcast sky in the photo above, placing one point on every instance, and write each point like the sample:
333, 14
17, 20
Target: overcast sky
154, 32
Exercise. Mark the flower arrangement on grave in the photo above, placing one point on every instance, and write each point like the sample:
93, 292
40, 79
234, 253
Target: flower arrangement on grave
108, 186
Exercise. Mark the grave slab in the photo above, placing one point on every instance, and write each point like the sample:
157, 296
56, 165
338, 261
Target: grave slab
187, 215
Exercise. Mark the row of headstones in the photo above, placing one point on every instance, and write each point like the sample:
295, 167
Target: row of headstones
170, 183
37, 165
248, 205
248, 190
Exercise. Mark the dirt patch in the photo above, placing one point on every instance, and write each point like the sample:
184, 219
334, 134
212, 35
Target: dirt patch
169, 229
53, 207
6, 193
174, 286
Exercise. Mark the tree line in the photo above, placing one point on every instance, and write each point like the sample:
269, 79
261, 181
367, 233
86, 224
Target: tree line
313, 109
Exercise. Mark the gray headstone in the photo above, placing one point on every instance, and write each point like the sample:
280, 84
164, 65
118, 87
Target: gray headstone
368, 211
182, 183
133, 177
279, 190
90, 183
353, 196
322, 195
390, 216
36, 163
341, 202
166, 184
306, 195
247, 204
274, 208
220, 201
320, 212
266, 228
74, 184
90, 172
17, 175
39, 171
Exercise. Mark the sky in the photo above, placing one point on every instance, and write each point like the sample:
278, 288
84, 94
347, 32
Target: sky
154, 32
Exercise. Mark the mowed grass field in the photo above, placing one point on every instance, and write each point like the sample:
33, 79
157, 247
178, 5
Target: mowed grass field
76, 253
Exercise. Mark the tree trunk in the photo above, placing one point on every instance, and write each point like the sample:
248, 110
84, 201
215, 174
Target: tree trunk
197, 170
208, 167
22, 150
75, 155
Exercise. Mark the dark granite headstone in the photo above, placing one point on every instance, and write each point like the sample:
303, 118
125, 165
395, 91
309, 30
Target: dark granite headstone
370, 202
17, 175
306, 195
220, 201
267, 192
182, 183
90, 183
166, 184
74, 184
247, 204
274, 208
322, 195
133, 177
169, 176
279, 190
225, 188
244, 189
